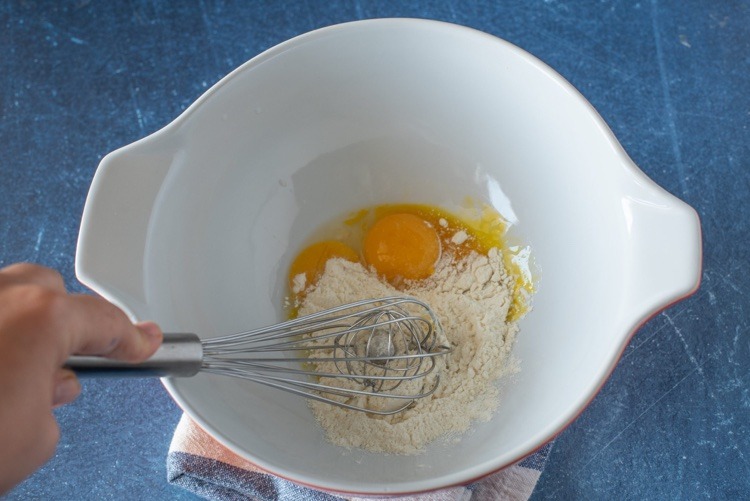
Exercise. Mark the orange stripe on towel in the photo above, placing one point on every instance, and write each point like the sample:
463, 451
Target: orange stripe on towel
190, 438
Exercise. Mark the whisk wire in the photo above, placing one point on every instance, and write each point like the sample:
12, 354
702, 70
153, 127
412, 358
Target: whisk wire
315, 321
217, 346
379, 345
316, 391
221, 365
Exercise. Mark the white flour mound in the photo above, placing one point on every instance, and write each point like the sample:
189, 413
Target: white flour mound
471, 297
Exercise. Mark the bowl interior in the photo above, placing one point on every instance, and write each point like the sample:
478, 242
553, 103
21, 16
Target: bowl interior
371, 113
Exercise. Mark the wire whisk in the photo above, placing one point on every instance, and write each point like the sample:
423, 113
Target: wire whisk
377, 355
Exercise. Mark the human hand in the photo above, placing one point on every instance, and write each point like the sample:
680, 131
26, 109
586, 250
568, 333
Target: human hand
41, 325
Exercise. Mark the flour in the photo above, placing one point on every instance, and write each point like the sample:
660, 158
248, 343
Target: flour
460, 237
471, 297
298, 283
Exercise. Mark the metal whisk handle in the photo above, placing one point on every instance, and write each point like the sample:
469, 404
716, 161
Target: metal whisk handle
181, 355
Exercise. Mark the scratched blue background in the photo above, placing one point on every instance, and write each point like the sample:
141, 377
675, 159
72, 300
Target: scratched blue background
671, 77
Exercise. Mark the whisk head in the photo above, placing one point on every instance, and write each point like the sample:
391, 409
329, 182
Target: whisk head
375, 355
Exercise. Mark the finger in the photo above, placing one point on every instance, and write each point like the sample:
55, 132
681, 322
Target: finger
28, 273
28, 453
97, 327
66, 388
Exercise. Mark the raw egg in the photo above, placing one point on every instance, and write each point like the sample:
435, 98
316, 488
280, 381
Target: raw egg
312, 260
405, 241
402, 246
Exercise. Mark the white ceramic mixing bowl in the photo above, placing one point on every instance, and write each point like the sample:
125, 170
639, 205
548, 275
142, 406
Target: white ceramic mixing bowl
195, 226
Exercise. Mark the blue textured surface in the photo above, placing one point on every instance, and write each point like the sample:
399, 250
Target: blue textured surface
671, 78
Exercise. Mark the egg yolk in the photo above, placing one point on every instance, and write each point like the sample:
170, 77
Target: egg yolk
312, 260
402, 246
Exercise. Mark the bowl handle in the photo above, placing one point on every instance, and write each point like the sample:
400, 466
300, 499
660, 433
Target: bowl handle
115, 222
665, 259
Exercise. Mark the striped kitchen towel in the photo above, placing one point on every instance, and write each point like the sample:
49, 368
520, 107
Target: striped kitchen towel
201, 465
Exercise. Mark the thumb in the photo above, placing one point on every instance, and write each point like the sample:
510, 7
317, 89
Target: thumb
97, 327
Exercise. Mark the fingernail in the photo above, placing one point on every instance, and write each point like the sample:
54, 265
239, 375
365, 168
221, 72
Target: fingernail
150, 330
66, 390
